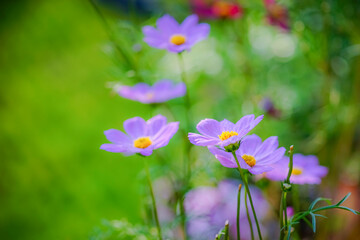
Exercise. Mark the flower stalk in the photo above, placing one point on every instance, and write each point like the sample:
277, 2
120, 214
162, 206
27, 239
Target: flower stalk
285, 187
238, 213
247, 190
153, 200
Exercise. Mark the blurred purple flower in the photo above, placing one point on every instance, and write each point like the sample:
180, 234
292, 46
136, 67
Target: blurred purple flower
253, 154
143, 136
161, 91
306, 170
268, 106
176, 37
217, 9
223, 133
277, 15
209, 207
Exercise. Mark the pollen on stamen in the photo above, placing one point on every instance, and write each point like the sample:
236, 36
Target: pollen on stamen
296, 171
178, 39
142, 142
250, 160
226, 135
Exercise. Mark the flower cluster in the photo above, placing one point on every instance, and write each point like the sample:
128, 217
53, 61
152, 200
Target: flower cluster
209, 207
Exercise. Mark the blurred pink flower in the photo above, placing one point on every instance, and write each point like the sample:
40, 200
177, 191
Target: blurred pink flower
217, 9
277, 15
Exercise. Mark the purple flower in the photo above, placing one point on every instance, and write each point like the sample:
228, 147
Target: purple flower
142, 136
253, 154
209, 207
306, 170
223, 133
161, 91
176, 37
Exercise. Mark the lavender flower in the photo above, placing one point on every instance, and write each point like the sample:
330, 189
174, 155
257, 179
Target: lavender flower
142, 136
176, 37
223, 133
253, 154
161, 91
209, 207
306, 170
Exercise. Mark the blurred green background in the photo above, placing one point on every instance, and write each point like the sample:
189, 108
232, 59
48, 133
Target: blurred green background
56, 62
55, 183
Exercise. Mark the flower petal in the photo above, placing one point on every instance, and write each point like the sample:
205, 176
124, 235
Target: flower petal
113, 148
209, 127
226, 159
167, 24
155, 124
249, 145
116, 136
201, 140
164, 135
189, 22
135, 127
268, 146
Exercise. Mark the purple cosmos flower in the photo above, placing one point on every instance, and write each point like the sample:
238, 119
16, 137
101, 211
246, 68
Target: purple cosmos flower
253, 154
176, 37
223, 133
142, 136
161, 91
209, 207
306, 170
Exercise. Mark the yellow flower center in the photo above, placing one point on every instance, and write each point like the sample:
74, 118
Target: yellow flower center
142, 142
250, 160
150, 95
226, 134
296, 171
178, 39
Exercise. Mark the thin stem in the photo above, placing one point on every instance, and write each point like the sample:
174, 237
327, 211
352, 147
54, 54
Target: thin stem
187, 146
285, 187
285, 210
250, 198
248, 216
290, 164
153, 199
238, 213
112, 36
281, 215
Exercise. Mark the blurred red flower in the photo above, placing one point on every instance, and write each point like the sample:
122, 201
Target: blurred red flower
216, 9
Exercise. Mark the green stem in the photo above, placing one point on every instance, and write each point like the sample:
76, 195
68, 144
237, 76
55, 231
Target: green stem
285, 210
281, 216
250, 198
187, 146
238, 213
153, 200
290, 164
248, 216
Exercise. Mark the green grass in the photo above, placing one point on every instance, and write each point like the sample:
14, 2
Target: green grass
55, 183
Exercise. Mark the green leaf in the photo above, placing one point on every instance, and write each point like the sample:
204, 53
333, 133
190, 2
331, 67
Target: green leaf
308, 222
344, 199
319, 215
319, 199
349, 209
313, 221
